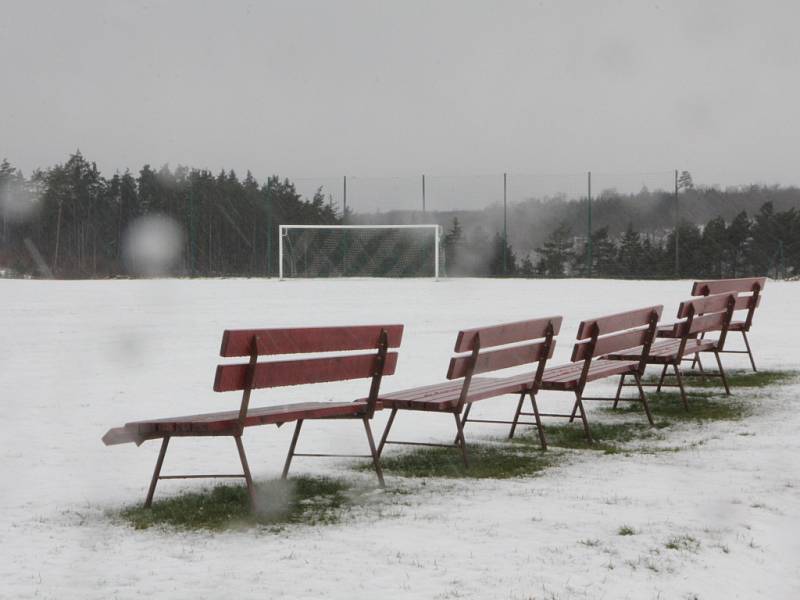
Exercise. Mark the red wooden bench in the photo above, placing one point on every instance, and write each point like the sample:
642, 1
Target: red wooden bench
633, 330
746, 287
246, 377
697, 317
478, 351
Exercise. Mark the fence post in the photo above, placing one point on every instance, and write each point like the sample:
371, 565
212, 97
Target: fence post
344, 200
589, 225
269, 232
505, 223
423, 192
677, 230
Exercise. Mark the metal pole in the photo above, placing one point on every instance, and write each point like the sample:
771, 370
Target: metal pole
344, 200
505, 222
677, 226
280, 252
436, 253
589, 227
269, 233
423, 192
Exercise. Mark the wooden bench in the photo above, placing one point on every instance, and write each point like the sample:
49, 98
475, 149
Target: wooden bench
746, 287
632, 331
481, 350
246, 377
697, 317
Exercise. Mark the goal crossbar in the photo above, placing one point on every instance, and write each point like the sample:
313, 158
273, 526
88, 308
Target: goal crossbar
283, 229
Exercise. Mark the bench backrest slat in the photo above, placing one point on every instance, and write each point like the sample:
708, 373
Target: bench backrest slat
506, 333
720, 286
495, 360
528, 342
704, 305
282, 373
614, 342
617, 322
299, 340
614, 333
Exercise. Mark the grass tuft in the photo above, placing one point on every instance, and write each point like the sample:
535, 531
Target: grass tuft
703, 406
308, 500
683, 542
626, 530
486, 461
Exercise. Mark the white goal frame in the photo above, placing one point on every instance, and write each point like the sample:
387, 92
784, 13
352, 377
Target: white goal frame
284, 229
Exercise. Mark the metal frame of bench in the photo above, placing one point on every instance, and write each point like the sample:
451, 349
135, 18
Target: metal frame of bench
278, 373
534, 343
595, 338
752, 286
698, 316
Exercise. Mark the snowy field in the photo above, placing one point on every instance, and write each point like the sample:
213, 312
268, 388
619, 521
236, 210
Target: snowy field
80, 357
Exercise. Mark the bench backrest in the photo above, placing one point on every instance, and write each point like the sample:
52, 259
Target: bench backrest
616, 333
378, 339
706, 314
523, 343
748, 290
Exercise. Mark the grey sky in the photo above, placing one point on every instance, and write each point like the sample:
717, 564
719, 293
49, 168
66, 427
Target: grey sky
402, 88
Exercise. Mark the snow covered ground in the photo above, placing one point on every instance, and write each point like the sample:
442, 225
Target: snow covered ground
80, 357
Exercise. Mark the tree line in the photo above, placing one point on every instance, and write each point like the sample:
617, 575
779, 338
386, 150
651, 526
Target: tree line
768, 243
70, 221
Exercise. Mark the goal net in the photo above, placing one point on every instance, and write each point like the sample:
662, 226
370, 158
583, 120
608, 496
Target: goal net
360, 251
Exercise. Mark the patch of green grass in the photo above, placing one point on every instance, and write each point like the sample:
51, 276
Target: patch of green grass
747, 379
606, 437
626, 530
683, 542
486, 461
703, 406
309, 500
737, 378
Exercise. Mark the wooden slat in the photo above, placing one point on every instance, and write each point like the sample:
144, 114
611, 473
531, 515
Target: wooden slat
719, 286
236, 342
610, 343
296, 372
709, 322
618, 321
506, 333
704, 305
498, 359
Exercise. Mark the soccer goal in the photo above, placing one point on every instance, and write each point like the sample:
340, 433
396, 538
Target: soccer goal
360, 251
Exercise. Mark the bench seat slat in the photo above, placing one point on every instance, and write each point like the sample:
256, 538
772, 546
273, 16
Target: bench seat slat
228, 420
666, 350
445, 396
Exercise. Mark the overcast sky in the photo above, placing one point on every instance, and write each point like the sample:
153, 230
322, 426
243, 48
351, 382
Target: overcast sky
400, 88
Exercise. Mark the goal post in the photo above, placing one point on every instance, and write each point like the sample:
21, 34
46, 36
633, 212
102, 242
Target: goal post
360, 251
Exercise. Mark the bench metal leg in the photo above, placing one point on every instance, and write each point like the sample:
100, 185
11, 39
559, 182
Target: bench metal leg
538, 419
463, 443
251, 490
386, 431
463, 422
679, 377
722, 374
661, 380
516, 415
619, 390
579, 405
643, 398
749, 352
157, 472
376, 461
289, 456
